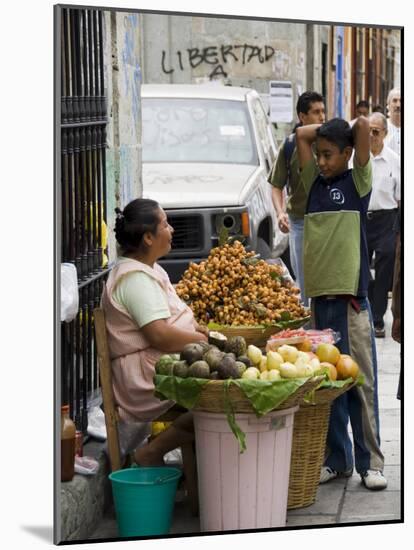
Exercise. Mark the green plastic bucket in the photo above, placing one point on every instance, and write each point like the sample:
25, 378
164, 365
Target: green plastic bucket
144, 500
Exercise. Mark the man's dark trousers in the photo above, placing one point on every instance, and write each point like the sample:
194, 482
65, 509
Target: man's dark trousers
381, 237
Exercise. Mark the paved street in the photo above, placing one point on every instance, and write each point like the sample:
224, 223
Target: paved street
342, 500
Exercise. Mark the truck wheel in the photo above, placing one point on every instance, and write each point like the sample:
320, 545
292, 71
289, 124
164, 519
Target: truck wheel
263, 249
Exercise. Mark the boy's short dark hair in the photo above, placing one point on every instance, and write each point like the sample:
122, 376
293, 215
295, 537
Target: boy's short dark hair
338, 132
306, 99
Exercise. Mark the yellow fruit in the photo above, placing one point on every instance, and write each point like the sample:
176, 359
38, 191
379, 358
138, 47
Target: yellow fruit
289, 353
273, 375
274, 360
328, 353
288, 370
262, 366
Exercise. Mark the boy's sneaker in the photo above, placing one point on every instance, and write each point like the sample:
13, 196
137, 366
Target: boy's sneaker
327, 474
374, 480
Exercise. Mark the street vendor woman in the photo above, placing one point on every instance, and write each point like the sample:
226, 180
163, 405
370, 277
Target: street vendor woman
145, 319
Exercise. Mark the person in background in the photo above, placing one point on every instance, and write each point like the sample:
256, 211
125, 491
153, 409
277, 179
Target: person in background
393, 140
396, 293
310, 109
382, 213
377, 108
145, 319
336, 270
361, 109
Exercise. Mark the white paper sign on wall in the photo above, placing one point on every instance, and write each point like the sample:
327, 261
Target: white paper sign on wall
281, 101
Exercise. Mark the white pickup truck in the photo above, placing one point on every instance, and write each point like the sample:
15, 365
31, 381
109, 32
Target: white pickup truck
207, 152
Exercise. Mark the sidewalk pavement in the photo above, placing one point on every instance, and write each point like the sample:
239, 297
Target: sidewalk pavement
341, 500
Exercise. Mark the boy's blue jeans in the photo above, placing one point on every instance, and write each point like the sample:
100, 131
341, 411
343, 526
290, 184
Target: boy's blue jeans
360, 403
296, 253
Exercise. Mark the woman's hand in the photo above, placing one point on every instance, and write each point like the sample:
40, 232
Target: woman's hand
170, 339
203, 329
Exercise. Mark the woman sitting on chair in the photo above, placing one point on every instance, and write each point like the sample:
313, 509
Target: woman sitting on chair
144, 319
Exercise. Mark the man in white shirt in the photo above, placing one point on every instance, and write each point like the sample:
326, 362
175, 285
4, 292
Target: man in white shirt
382, 212
393, 138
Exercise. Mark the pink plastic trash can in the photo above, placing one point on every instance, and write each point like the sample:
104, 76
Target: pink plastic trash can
248, 490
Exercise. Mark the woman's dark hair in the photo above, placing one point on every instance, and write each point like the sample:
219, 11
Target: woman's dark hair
137, 218
338, 132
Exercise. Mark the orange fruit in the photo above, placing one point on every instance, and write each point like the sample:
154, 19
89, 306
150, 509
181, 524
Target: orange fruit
346, 367
332, 372
306, 345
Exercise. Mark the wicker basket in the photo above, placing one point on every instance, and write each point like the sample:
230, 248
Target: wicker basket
212, 397
257, 336
308, 446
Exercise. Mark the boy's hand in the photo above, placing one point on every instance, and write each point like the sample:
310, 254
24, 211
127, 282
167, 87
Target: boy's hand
360, 134
305, 136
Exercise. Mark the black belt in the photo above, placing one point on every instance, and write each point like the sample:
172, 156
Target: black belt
377, 213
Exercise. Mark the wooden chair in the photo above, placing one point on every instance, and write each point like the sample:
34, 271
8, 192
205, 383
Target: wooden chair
112, 416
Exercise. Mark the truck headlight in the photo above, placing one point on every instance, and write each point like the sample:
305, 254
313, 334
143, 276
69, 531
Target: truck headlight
232, 222
235, 223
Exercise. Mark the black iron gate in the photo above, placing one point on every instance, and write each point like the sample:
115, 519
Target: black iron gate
83, 208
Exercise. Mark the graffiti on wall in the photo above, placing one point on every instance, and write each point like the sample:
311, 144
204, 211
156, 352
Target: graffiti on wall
217, 57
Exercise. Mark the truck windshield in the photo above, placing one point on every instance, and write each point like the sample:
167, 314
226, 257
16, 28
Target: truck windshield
196, 130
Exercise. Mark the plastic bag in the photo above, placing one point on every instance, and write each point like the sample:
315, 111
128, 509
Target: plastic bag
286, 276
86, 465
96, 423
174, 457
69, 293
297, 336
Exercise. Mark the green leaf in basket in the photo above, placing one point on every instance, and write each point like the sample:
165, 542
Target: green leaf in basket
265, 396
328, 383
293, 323
360, 380
285, 316
275, 276
252, 260
235, 428
184, 391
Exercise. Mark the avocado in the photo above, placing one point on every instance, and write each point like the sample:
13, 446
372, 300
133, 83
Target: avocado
232, 355
199, 369
241, 368
180, 368
217, 339
228, 368
236, 345
191, 353
213, 358
164, 365
246, 360
205, 346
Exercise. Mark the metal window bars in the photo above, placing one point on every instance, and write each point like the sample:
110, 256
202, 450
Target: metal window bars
83, 209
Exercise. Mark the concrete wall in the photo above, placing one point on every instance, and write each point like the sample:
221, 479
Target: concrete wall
185, 49
317, 35
123, 80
